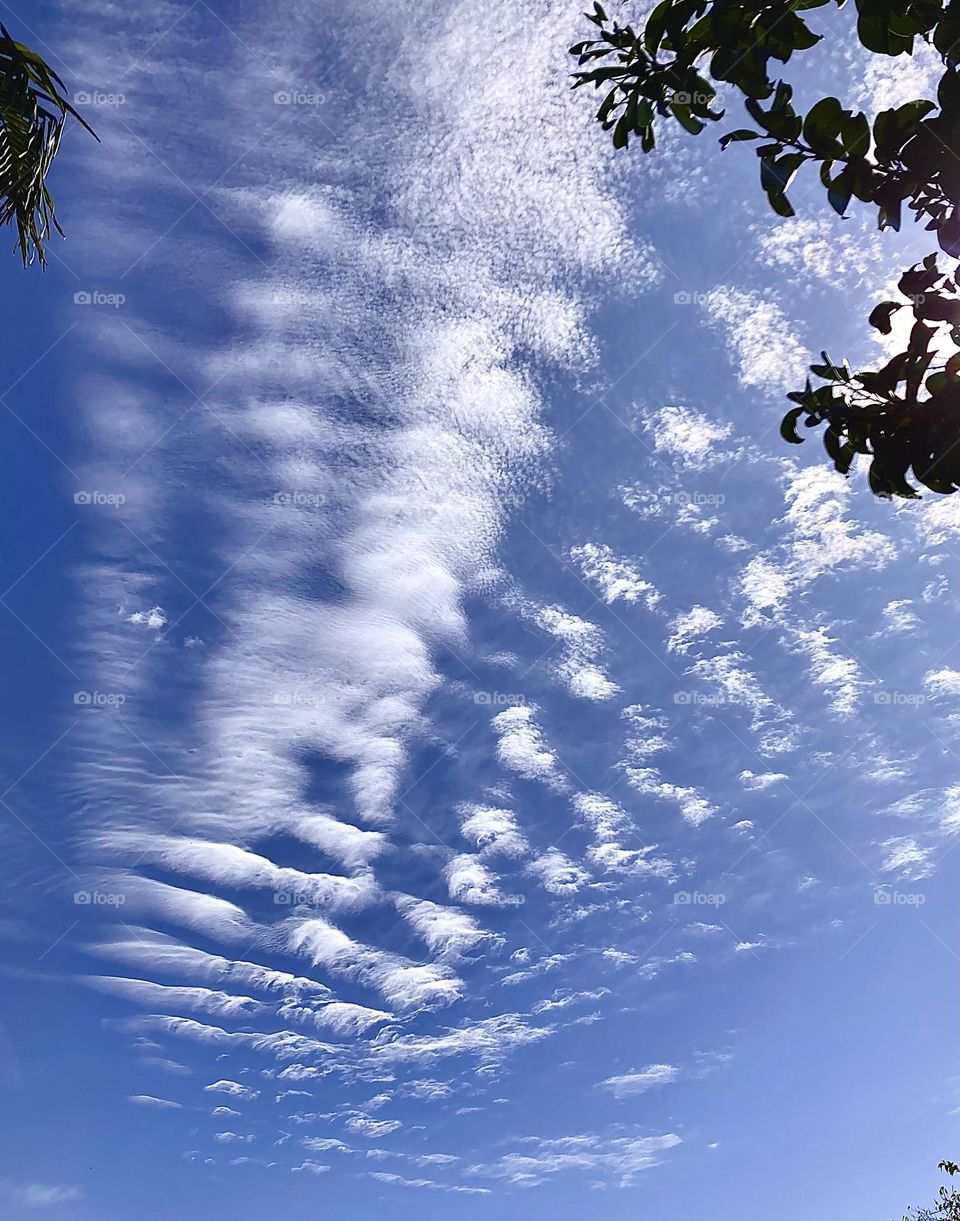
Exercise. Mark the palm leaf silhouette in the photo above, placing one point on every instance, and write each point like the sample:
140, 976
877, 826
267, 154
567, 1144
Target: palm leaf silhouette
33, 111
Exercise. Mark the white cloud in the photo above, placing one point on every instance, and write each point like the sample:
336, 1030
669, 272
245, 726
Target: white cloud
690, 439
489, 1039
372, 1128
818, 251
839, 676
939, 523
818, 537
229, 865
618, 1158
162, 954
882, 83
493, 830
760, 782
282, 1044
234, 1089
899, 618
162, 996
582, 645
39, 1195
821, 536
617, 579
733, 686
949, 812
651, 966
522, 748
148, 1100
645, 738
694, 807
445, 930
700, 929
943, 683
769, 355
906, 858
564, 1000
398, 1180
154, 619
609, 823
690, 626
470, 881
557, 873
205, 914
543, 966
764, 585
651, 1077
324, 1144
404, 984
342, 1017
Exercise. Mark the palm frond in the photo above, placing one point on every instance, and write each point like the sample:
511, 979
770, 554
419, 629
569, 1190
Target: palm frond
33, 111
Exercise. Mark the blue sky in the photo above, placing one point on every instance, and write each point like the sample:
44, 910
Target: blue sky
457, 757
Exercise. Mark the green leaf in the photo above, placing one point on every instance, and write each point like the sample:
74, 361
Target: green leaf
821, 127
855, 135
621, 133
881, 314
788, 426
687, 121
739, 136
839, 192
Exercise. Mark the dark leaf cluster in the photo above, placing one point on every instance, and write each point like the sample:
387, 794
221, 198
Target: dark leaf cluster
33, 111
905, 157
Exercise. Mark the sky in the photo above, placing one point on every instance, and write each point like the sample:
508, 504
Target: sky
457, 758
